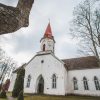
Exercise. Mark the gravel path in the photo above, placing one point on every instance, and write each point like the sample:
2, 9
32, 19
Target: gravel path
10, 98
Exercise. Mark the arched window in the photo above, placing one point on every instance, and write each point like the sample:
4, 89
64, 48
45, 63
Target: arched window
75, 83
54, 81
96, 82
43, 47
85, 82
28, 81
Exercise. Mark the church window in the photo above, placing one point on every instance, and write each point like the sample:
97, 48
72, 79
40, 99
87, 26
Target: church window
43, 47
96, 82
28, 81
75, 83
54, 81
85, 82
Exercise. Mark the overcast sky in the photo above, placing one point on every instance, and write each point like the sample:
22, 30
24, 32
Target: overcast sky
23, 44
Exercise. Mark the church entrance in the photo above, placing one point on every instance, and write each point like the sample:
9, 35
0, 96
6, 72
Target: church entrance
40, 88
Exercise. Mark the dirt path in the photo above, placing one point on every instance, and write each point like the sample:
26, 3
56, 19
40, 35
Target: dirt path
10, 98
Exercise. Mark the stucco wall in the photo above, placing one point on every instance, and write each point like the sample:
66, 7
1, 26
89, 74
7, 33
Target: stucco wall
79, 74
49, 44
50, 66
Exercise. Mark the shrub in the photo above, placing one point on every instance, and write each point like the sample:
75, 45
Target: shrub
20, 96
5, 86
0, 87
3, 94
19, 83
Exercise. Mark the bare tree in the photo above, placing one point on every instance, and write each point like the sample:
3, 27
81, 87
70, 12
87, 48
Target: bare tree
86, 26
13, 18
11, 66
7, 65
96, 23
7, 68
2, 55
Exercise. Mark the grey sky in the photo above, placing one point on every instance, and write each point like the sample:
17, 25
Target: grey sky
23, 44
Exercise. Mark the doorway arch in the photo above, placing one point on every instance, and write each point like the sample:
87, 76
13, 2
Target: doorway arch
40, 85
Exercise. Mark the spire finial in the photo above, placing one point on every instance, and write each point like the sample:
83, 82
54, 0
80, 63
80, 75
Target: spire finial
49, 20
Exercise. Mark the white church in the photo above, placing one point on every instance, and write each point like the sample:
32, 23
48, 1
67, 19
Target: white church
47, 74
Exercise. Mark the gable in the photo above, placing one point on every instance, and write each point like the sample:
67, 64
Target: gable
46, 53
50, 63
40, 54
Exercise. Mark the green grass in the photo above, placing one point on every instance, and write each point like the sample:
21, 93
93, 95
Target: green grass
42, 97
2, 99
45, 97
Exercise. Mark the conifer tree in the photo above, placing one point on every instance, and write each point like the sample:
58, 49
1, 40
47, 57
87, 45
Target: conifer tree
19, 83
3, 94
20, 96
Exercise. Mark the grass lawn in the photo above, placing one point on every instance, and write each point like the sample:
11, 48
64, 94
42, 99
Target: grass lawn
44, 97
2, 99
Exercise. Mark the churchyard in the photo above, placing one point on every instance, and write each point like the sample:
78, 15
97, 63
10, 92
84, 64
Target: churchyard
45, 97
61, 98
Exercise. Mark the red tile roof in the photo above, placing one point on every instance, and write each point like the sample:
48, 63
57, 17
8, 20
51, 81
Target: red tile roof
81, 63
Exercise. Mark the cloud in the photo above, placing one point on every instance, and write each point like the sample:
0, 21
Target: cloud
23, 44
9, 2
66, 47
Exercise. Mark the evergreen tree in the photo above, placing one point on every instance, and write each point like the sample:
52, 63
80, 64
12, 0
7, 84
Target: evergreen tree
3, 94
20, 96
19, 83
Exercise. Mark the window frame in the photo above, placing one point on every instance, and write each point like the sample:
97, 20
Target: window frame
75, 83
28, 81
96, 82
85, 83
54, 81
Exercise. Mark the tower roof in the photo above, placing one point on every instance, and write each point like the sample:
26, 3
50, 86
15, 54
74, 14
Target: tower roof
48, 32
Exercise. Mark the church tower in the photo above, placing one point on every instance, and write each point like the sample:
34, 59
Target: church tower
48, 42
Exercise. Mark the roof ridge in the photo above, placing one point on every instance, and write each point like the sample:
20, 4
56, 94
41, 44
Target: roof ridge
78, 57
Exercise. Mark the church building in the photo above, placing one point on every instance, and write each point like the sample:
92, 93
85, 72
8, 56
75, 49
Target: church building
47, 74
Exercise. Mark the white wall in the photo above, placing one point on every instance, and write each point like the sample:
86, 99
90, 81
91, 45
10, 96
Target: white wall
50, 66
49, 44
79, 74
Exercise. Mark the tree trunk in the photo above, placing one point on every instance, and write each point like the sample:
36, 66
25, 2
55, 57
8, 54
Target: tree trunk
13, 18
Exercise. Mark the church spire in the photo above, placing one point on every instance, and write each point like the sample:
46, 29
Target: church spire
48, 32
48, 42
